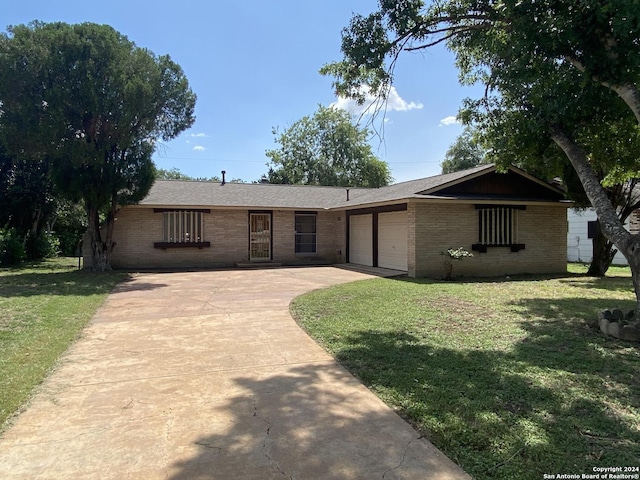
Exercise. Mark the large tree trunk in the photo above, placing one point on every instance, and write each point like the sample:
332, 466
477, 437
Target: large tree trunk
101, 240
603, 253
610, 224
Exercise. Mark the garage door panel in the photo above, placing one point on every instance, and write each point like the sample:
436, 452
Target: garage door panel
360, 239
392, 240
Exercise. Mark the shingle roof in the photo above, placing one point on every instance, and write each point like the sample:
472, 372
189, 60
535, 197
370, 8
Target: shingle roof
413, 188
180, 193
248, 195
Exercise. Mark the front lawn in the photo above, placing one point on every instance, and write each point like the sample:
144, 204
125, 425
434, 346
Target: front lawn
505, 376
43, 308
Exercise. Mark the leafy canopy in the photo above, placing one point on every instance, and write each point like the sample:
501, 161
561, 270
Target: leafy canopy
465, 152
94, 103
326, 148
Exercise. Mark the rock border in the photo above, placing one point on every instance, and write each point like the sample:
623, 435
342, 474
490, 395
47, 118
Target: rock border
616, 324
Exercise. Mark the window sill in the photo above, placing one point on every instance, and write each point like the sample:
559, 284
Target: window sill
165, 245
478, 247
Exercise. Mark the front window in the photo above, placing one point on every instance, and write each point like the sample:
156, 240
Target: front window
305, 233
182, 227
498, 226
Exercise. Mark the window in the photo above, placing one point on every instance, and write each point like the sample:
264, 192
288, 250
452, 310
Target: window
182, 227
305, 233
498, 227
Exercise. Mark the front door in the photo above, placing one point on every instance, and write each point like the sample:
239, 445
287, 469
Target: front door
259, 237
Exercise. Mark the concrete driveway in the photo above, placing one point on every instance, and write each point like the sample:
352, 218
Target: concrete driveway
205, 375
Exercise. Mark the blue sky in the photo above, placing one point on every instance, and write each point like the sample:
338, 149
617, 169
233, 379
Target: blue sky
254, 66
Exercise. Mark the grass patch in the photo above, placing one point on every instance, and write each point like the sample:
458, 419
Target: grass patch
43, 308
509, 378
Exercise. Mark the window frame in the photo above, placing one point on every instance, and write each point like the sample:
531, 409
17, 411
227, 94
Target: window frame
299, 235
182, 228
498, 226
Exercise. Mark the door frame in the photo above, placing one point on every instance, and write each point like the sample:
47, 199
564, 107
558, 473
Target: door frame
269, 215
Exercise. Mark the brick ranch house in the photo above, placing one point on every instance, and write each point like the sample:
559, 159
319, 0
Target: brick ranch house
513, 223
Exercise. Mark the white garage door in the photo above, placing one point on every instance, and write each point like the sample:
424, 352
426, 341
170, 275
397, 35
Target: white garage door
392, 240
360, 239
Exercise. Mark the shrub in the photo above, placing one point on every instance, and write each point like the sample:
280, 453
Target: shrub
44, 245
11, 247
453, 254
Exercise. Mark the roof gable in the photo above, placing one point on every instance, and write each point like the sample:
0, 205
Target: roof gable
515, 184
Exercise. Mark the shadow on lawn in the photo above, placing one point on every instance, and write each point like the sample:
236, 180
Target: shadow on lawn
76, 283
488, 413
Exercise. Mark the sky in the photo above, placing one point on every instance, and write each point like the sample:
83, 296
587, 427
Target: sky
254, 66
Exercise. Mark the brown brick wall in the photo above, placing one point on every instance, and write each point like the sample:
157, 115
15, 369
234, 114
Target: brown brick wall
634, 222
543, 230
137, 229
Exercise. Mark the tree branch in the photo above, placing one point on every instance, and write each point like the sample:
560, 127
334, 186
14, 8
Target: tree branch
611, 225
627, 92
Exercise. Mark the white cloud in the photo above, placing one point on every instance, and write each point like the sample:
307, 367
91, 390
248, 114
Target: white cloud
395, 103
450, 120
199, 135
199, 148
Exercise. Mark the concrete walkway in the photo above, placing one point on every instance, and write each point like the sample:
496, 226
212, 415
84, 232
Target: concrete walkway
205, 375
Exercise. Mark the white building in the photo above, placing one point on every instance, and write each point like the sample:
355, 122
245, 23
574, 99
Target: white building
579, 245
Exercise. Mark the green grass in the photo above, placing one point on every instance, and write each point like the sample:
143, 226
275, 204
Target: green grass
509, 378
43, 308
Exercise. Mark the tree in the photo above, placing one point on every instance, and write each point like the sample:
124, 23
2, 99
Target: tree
556, 62
176, 174
27, 198
326, 148
94, 103
465, 152
171, 174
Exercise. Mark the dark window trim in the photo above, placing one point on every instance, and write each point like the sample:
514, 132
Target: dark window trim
165, 210
482, 248
515, 207
165, 245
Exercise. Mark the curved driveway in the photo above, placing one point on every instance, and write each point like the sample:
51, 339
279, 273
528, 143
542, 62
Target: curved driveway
204, 375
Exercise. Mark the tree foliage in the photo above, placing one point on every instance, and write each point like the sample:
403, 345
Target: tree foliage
94, 103
326, 148
554, 69
465, 152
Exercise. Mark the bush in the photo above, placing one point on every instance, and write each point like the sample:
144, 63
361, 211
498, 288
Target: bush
453, 254
45, 245
11, 247
69, 240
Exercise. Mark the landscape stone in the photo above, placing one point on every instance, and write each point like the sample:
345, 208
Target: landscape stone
631, 333
621, 328
614, 329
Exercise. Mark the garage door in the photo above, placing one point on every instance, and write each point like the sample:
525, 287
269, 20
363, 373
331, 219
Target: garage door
360, 239
392, 240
